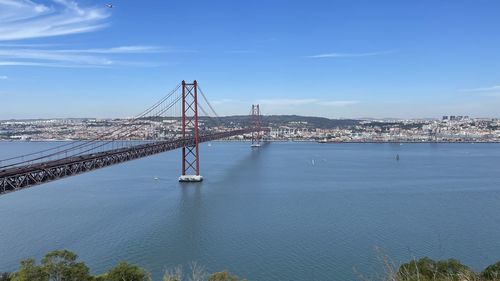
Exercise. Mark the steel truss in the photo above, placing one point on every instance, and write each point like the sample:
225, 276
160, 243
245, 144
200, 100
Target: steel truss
190, 153
17, 178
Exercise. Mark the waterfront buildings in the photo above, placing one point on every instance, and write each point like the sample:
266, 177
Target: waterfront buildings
448, 129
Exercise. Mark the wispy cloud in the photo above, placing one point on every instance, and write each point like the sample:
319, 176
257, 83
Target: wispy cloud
242, 52
227, 101
120, 50
484, 89
23, 45
42, 64
340, 103
287, 102
102, 57
349, 55
25, 19
297, 102
37, 55
3, 77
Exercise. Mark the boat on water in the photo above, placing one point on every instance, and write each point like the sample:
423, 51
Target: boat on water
255, 145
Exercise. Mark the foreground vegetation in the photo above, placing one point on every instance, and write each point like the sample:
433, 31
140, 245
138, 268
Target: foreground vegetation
426, 269
63, 265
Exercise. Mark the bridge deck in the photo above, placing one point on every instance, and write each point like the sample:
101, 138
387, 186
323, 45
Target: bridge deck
16, 178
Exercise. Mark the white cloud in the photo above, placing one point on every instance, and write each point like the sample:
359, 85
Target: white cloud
287, 102
485, 89
297, 102
119, 50
25, 19
340, 103
227, 101
349, 55
103, 57
3, 77
42, 64
52, 56
307, 107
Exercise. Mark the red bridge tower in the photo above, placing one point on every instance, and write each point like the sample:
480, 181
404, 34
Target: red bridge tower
190, 152
256, 124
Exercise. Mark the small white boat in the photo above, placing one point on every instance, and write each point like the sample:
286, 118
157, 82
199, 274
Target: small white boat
156, 178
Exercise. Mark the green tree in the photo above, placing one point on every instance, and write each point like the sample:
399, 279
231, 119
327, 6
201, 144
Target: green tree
29, 271
127, 272
5, 276
61, 265
452, 267
56, 266
492, 272
222, 276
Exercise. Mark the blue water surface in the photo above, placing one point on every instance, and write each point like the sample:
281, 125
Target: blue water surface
286, 211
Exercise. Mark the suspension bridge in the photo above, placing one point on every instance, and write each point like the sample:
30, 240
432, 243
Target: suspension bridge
120, 143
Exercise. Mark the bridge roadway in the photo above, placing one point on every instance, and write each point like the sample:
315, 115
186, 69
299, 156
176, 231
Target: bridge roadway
20, 177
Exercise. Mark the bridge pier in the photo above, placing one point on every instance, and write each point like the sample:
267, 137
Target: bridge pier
190, 152
190, 178
256, 135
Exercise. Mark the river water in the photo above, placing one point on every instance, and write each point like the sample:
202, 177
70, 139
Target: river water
287, 211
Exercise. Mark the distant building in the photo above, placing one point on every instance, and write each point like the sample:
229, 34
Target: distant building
445, 117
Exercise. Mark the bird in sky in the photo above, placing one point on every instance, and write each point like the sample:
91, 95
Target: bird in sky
109, 5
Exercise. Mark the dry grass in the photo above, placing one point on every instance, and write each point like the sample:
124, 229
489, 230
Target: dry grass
427, 270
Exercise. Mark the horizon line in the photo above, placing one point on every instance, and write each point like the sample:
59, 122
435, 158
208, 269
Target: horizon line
264, 115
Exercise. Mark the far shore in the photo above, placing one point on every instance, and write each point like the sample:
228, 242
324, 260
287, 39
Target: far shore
285, 140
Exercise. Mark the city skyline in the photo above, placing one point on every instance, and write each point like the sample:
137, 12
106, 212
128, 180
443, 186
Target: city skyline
389, 59
449, 129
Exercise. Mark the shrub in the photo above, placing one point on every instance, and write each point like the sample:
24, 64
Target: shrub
426, 269
492, 272
124, 271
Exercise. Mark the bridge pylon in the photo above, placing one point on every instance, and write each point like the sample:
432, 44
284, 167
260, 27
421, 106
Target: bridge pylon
190, 151
256, 124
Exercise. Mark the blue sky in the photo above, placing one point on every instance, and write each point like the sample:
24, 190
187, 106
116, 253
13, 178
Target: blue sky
339, 59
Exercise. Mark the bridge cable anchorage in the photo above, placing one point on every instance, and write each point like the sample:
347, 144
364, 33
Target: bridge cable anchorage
125, 141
